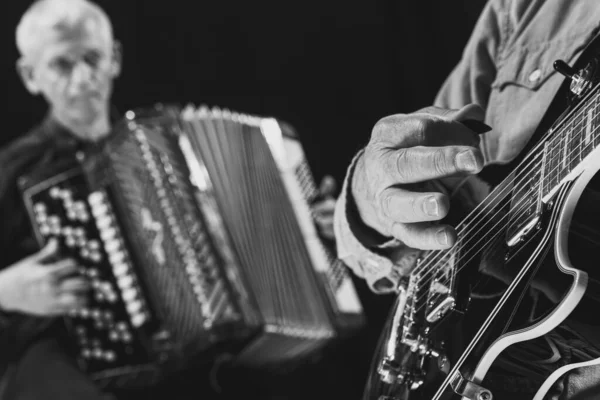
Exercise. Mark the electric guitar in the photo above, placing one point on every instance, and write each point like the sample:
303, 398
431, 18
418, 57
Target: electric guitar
509, 301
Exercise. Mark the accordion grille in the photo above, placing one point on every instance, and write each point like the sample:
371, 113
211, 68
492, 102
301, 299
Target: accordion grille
261, 222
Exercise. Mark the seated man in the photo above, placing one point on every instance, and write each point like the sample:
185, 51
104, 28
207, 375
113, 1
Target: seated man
69, 56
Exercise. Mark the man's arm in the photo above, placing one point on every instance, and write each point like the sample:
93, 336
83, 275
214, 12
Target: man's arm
378, 258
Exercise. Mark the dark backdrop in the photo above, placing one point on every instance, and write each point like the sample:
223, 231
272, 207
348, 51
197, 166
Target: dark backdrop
330, 68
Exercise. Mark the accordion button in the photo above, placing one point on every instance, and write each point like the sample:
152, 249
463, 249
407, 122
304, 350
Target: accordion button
120, 269
111, 297
113, 335
97, 353
108, 234
99, 210
110, 356
126, 336
133, 307
125, 282
85, 253
54, 192
103, 222
79, 233
112, 246
116, 257
138, 319
86, 353
83, 216
96, 198
95, 256
39, 208
121, 326
45, 230
129, 294
93, 244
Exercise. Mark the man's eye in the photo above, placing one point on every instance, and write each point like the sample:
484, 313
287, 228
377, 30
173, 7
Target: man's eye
63, 65
92, 59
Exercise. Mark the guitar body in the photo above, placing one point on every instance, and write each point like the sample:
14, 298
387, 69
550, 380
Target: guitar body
524, 301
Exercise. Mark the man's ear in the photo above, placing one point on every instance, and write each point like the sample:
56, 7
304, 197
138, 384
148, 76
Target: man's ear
117, 59
25, 71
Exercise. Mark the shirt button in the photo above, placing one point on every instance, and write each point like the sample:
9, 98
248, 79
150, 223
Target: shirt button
535, 75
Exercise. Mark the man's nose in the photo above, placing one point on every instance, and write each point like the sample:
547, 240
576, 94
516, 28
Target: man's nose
81, 76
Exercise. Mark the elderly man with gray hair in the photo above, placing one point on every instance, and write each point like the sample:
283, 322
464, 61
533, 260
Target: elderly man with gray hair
68, 56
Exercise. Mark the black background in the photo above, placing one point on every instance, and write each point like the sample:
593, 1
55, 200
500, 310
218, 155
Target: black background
330, 68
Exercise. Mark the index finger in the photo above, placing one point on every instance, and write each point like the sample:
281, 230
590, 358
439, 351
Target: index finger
419, 164
403, 131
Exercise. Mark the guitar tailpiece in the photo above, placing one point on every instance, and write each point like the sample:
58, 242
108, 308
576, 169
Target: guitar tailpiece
469, 389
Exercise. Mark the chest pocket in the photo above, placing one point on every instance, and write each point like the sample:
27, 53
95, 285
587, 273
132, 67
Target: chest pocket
530, 66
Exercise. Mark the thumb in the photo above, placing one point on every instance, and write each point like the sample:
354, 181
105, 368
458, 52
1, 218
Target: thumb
470, 111
471, 116
49, 250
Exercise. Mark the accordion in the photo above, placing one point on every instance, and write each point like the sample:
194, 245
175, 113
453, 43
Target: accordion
195, 228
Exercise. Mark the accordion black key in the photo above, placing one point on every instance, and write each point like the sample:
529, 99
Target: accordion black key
195, 229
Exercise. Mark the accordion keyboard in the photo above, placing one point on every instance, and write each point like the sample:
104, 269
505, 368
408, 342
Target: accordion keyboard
107, 329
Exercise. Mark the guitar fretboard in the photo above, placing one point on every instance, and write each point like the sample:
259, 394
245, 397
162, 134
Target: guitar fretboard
572, 142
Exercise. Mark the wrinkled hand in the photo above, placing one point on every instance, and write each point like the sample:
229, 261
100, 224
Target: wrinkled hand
324, 208
404, 151
38, 286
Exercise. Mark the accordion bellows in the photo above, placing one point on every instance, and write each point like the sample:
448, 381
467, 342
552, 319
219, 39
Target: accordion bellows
196, 230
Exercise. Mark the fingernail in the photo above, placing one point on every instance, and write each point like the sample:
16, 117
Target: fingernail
431, 206
465, 160
442, 237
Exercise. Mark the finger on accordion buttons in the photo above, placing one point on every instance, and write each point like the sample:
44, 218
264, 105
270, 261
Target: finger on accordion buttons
324, 208
72, 300
328, 186
63, 268
75, 284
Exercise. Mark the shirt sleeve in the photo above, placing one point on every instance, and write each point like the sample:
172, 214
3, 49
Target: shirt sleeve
381, 261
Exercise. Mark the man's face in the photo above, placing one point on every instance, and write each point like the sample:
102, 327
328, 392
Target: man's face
74, 68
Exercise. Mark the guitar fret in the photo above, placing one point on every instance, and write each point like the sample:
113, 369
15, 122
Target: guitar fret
596, 106
574, 143
590, 125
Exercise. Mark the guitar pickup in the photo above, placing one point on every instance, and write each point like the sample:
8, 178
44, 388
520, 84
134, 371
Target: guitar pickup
440, 309
523, 231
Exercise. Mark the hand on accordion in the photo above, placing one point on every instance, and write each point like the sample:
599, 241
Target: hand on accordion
43, 285
324, 207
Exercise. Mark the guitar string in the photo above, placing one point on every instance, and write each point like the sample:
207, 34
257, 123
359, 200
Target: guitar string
435, 259
481, 209
502, 193
461, 258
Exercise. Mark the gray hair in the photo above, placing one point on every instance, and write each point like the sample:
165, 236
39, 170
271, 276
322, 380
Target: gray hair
45, 16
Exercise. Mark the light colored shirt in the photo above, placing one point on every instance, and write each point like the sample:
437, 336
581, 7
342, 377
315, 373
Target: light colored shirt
506, 68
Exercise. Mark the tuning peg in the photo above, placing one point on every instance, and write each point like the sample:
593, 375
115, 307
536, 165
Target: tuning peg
564, 69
